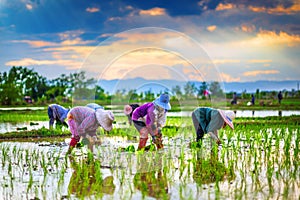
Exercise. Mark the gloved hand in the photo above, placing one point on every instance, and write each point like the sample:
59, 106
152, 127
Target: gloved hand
157, 140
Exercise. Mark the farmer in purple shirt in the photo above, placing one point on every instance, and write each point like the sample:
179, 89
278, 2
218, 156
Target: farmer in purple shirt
150, 118
58, 113
84, 122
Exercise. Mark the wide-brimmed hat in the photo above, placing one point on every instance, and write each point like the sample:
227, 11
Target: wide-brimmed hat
105, 118
127, 109
163, 101
228, 117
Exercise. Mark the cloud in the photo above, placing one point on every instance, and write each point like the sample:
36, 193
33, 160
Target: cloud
92, 10
248, 28
259, 61
29, 6
70, 64
259, 72
228, 78
153, 12
36, 43
227, 6
271, 38
278, 10
211, 28
225, 61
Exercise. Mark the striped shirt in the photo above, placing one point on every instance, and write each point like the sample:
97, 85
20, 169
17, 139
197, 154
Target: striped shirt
209, 119
85, 119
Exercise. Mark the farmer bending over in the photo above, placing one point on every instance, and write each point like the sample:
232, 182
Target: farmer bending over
210, 120
84, 121
128, 110
155, 118
58, 113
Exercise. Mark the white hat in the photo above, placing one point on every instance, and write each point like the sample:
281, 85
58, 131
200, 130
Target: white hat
127, 109
163, 101
105, 118
228, 116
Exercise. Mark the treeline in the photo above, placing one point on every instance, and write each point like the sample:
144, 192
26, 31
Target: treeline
22, 85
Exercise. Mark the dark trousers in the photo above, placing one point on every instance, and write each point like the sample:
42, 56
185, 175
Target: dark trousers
198, 128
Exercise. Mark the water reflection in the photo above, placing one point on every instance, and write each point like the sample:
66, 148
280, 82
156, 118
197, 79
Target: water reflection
151, 178
210, 170
87, 180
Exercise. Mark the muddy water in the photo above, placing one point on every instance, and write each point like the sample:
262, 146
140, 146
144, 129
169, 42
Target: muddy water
172, 168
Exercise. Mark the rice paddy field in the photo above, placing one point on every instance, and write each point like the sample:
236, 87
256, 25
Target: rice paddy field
258, 160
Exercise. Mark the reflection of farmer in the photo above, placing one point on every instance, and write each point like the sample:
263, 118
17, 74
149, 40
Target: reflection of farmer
94, 106
155, 114
128, 110
58, 113
151, 178
210, 170
87, 180
84, 122
209, 120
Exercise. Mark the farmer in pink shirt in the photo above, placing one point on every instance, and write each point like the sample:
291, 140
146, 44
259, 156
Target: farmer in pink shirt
150, 118
84, 121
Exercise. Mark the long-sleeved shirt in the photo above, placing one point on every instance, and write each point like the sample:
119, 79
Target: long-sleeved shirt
58, 112
209, 119
85, 119
154, 119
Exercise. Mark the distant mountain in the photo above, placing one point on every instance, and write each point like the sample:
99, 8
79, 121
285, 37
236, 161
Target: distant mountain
156, 86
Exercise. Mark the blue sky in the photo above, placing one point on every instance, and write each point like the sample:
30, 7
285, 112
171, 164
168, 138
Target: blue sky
233, 40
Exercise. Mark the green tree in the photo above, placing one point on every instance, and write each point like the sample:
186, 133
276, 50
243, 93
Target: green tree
215, 89
177, 91
189, 90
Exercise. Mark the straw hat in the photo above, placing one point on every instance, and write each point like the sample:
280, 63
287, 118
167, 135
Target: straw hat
228, 116
127, 109
163, 101
105, 118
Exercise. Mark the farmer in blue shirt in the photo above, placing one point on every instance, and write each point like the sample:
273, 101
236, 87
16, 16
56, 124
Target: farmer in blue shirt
210, 120
58, 113
94, 106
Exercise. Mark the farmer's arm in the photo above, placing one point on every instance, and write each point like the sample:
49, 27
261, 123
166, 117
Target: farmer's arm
150, 121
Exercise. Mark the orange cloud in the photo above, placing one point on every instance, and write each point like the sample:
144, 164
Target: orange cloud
258, 72
92, 10
227, 6
248, 28
224, 61
76, 41
279, 10
211, 28
36, 43
70, 64
272, 38
259, 61
228, 78
153, 12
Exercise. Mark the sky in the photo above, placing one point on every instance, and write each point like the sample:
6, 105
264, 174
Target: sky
204, 40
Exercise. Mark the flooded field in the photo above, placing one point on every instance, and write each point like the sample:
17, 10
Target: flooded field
31, 125
252, 163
